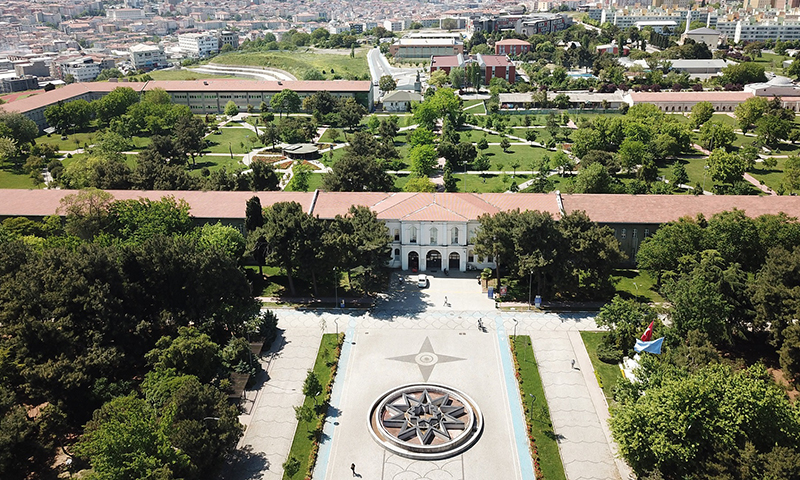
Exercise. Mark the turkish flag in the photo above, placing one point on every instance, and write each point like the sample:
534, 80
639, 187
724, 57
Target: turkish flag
648, 334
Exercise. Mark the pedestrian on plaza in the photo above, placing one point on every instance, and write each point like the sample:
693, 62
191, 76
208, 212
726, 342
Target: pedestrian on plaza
445, 301
573, 364
353, 468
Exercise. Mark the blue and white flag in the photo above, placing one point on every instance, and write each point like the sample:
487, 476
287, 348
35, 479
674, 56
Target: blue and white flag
652, 346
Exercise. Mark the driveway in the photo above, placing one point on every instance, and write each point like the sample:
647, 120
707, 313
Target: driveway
405, 298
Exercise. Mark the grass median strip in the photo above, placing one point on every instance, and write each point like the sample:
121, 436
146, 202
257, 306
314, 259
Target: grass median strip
311, 415
544, 447
607, 374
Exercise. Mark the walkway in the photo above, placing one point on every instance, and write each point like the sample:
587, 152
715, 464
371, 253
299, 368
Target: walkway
268, 418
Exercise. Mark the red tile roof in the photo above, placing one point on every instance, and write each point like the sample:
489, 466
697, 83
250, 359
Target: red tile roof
512, 41
496, 60
683, 97
64, 94
656, 209
223, 205
445, 61
260, 85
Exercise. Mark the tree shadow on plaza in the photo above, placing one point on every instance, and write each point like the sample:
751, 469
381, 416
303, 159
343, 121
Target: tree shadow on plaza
406, 300
244, 464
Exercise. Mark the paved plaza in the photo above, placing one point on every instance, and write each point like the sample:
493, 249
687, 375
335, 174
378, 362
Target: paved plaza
413, 336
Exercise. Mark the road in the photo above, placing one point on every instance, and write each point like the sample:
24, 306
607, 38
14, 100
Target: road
379, 66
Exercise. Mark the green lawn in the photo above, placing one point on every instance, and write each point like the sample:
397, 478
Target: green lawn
522, 154
298, 62
216, 162
607, 374
638, 285
69, 143
12, 179
231, 139
770, 177
494, 183
771, 62
304, 436
185, 74
538, 414
314, 182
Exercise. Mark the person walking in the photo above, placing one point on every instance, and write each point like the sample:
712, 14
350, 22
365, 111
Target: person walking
573, 364
353, 468
445, 301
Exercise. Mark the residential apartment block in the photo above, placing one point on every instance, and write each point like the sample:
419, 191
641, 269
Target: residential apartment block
199, 45
148, 57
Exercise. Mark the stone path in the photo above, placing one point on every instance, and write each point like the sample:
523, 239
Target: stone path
269, 418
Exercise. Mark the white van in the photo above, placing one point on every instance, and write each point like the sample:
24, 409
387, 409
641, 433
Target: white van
422, 281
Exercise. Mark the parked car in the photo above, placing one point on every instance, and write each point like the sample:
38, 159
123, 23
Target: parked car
422, 281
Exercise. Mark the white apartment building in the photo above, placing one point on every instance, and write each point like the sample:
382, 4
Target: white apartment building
198, 44
394, 25
147, 57
125, 14
84, 70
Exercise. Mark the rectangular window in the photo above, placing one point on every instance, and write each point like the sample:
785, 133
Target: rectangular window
646, 232
624, 233
633, 233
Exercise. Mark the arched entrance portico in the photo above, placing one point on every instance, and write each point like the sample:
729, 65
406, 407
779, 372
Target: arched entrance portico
413, 261
454, 261
433, 260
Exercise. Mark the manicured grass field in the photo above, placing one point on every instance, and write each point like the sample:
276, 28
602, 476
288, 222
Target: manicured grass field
11, 179
538, 415
231, 139
303, 442
494, 183
186, 74
70, 142
607, 374
298, 62
771, 177
522, 154
314, 182
216, 162
638, 285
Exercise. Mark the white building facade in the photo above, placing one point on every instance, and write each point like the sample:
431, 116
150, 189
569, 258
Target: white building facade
148, 57
198, 45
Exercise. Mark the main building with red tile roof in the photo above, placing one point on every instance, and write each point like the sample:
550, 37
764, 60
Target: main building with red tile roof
435, 230
202, 96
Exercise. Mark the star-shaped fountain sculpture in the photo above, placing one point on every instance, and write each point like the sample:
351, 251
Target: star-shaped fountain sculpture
426, 359
425, 417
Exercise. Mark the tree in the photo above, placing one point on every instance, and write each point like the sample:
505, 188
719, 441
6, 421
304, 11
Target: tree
772, 129
18, 127
791, 173
311, 386
351, 112
115, 104
715, 135
738, 407
449, 180
286, 101
270, 134
474, 75
300, 177
231, 109
594, 179
701, 113
530, 136
505, 144
254, 216
189, 136
457, 77
190, 353
749, 111
86, 212
419, 184
679, 175
625, 320
423, 159
725, 167
742, 74
353, 173
438, 78
387, 83
482, 144
283, 227
321, 105
482, 164
420, 136
125, 440
263, 177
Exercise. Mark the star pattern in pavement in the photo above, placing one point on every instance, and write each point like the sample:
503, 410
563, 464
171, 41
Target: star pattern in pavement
426, 359
425, 417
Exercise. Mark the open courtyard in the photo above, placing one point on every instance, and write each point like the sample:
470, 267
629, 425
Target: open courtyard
411, 337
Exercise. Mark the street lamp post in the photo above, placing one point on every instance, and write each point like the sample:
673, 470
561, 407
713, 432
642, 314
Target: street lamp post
705, 169
515, 330
335, 289
530, 282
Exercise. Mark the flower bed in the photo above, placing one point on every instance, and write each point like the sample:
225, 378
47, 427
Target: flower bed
543, 446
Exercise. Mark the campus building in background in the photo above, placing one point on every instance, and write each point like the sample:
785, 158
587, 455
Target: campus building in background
148, 57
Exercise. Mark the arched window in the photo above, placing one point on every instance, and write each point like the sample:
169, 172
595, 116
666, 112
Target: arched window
396, 234
412, 235
434, 236
396, 254
454, 236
